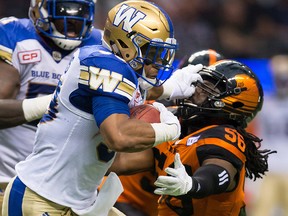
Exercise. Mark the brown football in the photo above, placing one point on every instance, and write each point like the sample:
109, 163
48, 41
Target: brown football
145, 112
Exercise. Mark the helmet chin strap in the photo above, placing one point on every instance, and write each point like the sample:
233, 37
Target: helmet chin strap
143, 82
106, 45
65, 44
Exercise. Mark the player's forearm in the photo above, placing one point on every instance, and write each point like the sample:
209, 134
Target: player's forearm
130, 163
16, 112
135, 135
124, 134
11, 113
209, 179
132, 136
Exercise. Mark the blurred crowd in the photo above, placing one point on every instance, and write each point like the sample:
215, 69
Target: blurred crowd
237, 28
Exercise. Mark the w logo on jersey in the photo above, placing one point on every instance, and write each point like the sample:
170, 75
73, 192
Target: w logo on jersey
105, 79
128, 14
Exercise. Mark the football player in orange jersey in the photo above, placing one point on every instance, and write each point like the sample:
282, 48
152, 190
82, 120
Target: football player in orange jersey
217, 153
138, 198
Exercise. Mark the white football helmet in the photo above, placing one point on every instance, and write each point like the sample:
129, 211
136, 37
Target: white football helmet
66, 22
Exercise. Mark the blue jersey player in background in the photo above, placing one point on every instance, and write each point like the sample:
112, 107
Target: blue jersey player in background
34, 53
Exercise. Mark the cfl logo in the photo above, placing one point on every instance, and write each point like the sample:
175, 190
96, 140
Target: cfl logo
29, 56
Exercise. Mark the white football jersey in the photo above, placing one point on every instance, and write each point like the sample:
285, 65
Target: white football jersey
40, 68
69, 158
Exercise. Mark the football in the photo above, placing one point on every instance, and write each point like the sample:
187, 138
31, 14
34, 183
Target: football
145, 112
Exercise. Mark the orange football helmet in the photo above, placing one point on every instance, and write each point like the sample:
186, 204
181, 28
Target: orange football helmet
205, 57
235, 95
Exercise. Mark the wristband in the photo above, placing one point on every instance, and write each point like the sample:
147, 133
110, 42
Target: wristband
34, 108
164, 132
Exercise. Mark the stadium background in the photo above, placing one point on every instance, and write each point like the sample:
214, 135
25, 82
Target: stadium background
251, 31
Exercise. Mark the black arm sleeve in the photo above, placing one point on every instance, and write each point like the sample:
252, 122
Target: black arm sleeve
209, 179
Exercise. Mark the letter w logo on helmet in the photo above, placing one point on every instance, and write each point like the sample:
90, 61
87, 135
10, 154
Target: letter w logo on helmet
129, 14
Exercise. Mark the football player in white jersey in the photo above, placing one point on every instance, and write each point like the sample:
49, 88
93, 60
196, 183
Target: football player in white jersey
34, 53
88, 118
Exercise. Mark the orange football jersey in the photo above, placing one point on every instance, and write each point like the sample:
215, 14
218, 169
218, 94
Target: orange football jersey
210, 142
138, 191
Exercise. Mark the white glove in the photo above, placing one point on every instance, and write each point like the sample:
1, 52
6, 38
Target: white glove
166, 116
179, 183
169, 128
181, 84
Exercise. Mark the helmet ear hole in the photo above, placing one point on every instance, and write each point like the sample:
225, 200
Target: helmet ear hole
237, 104
122, 44
124, 48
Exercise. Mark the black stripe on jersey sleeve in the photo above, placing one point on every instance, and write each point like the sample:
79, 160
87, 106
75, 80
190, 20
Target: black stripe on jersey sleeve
212, 151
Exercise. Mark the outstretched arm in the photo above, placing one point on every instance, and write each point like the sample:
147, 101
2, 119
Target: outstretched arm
213, 177
180, 85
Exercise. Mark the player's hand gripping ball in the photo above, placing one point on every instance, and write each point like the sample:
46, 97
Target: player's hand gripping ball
145, 112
